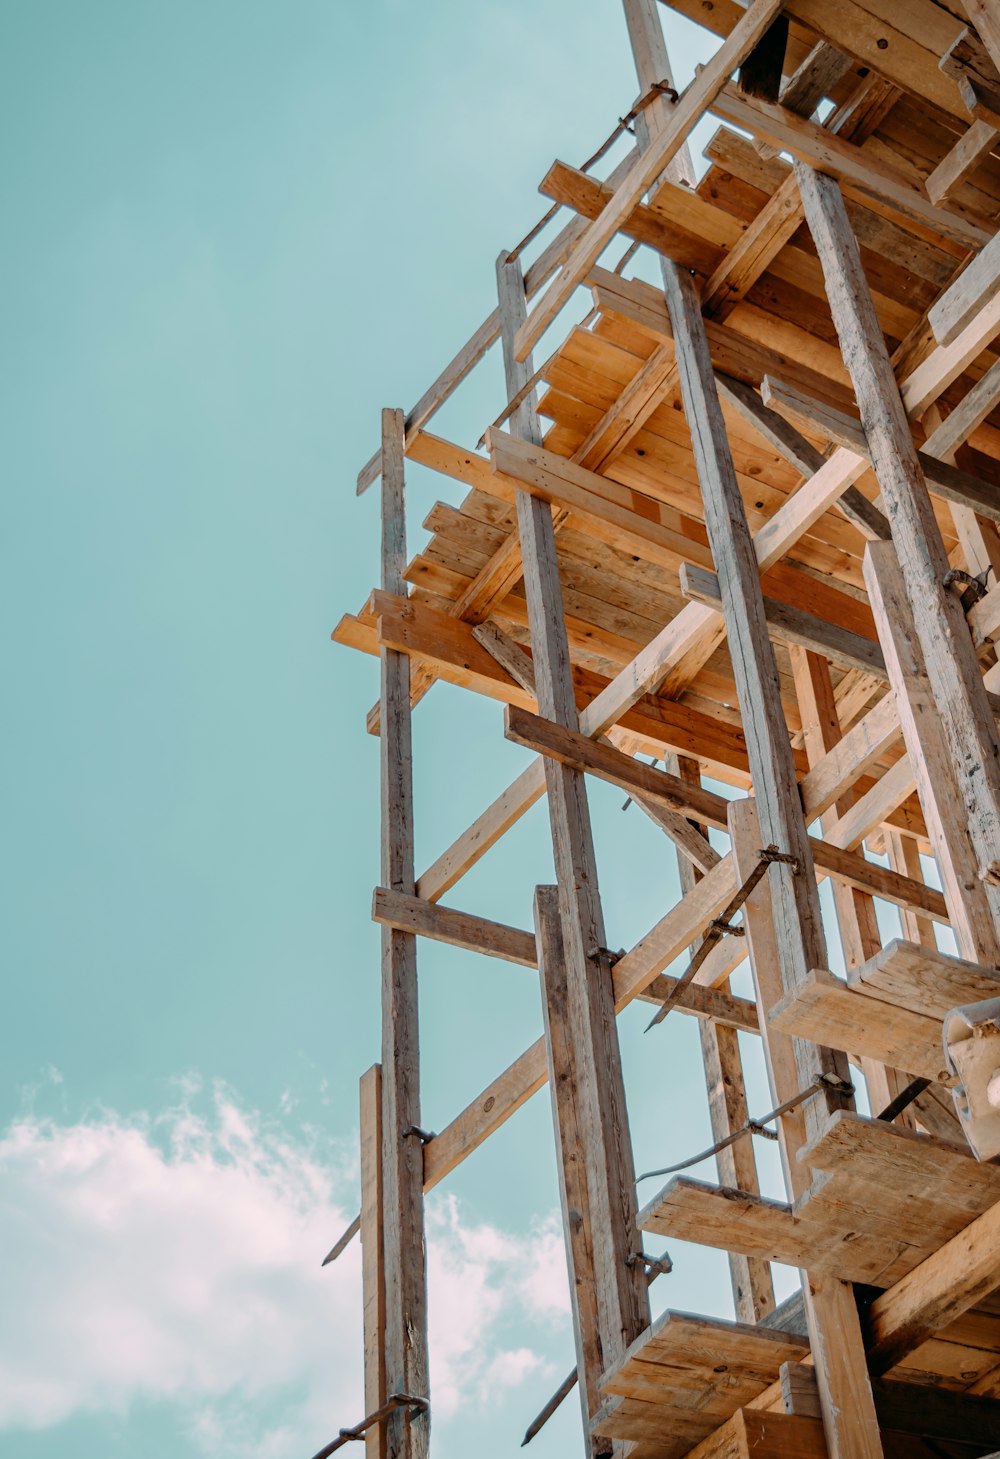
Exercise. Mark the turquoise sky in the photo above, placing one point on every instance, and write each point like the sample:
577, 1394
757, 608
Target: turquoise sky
232, 233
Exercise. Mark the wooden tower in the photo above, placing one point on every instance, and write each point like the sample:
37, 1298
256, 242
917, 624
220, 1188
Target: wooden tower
745, 522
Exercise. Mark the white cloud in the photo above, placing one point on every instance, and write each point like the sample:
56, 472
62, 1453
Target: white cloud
177, 1259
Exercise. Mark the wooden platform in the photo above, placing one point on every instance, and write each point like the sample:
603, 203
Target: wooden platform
685, 1376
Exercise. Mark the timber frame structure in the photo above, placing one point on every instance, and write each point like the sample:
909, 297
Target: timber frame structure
757, 538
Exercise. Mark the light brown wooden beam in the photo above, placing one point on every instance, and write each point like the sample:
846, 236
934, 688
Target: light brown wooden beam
849, 1419
794, 626
975, 286
409, 913
973, 146
935, 1293
854, 910
962, 709
622, 1300
930, 758
558, 742
864, 176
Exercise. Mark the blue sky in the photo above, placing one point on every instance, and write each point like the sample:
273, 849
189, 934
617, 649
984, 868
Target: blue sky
232, 233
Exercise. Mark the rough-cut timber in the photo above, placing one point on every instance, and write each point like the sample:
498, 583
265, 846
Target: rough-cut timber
732, 549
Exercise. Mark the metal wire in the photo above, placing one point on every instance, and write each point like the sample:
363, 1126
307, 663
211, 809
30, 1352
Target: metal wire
756, 1127
397, 1400
658, 89
721, 926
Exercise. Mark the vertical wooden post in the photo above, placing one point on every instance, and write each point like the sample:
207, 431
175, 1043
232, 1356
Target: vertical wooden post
966, 721
753, 1289
849, 1419
855, 910
564, 1089
904, 857
652, 63
622, 1299
372, 1268
798, 923
848, 1409
402, 1153
935, 772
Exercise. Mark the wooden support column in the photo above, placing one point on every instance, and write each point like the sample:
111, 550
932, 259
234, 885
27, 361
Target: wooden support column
934, 770
967, 724
848, 1410
904, 857
403, 1160
859, 933
622, 1298
753, 1289
652, 64
372, 1255
849, 1419
564, 1088
800, 942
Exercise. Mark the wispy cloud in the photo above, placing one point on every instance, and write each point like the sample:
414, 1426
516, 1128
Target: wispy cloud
176, 1258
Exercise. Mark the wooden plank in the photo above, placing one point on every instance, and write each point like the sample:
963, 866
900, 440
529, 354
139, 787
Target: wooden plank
794, 625
941, 1288
622, 1300
734, 1220
972, 148
864, 176
779, 433
923, 980
646, 169
848, 1411
402, 1159
848, 760
963, 712
565, 1078
797, 915
372, 1255
484, 832
945, 480
752, 1434
409, 913
824, 1007
974, 288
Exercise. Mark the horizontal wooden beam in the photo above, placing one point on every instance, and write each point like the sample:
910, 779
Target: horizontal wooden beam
576, 749
946, 1284
862, 175
461, 929
795, 625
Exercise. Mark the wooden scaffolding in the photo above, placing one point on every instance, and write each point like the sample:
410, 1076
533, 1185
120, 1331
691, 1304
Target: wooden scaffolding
745, 521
